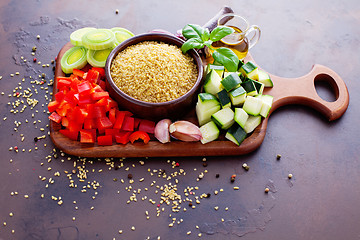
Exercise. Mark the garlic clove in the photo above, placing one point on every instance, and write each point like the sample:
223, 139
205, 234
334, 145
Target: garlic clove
161, 131
185, 131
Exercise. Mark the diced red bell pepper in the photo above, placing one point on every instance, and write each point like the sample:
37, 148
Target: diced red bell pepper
103, 123
147, 126
111, 104
92, 76
53, 105
74, 78
120, 115
75, 82
59, 96
101, 131
112, 132
63, 83
128, 124
84, 88
55, 117
139, 135
90, 109
85, 99
101, 71
128, 113
99, 95
78, 73
79, 114
122, 137
102, 84
72, 97
74, 126
67, 133
65, 122
102, 102
86, 69
98, 111
63, 108
136, 122
88, 135
97, 88
105, 140
89, 123
112, 115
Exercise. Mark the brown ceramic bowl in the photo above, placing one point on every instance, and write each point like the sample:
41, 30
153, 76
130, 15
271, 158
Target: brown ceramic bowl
173, 109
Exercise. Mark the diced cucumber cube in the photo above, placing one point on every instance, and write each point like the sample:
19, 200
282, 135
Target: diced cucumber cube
209, 132
240, 116
251, 123
236, 134
240, 64
224, 98
265, 78
249, 88
250, 70
208, 99
212, 83
231, 81
237, 96
204, 113
267, 101
226, 74
252, 105
219, 69
259, 86
224, 118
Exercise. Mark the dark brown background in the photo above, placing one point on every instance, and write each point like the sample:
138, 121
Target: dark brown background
321, 201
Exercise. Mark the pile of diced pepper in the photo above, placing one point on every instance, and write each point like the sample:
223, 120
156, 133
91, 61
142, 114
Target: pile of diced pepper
88, 114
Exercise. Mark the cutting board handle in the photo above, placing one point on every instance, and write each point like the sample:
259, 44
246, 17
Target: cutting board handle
302, 91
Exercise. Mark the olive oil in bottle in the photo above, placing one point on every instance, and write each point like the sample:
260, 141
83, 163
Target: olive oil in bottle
235, 41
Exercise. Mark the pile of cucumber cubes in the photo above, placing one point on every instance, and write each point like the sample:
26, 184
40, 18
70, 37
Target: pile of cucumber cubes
232, 102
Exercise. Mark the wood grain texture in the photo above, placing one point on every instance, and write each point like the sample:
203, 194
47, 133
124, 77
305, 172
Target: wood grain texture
285, 91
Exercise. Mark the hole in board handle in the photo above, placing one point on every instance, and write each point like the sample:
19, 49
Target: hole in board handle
326, 87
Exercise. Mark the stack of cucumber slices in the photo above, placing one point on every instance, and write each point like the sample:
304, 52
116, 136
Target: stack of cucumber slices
232, 102
93, 46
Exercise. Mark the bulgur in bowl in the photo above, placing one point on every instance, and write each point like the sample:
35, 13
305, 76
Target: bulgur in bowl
150, 76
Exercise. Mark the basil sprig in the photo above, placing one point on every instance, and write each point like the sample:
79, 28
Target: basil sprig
199, 37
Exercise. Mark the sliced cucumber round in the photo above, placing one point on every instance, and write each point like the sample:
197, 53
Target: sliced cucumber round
98, 39
97, 58
75, 57
75, 37
121, 34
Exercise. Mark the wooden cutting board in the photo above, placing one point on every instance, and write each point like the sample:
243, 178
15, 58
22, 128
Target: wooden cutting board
285, 91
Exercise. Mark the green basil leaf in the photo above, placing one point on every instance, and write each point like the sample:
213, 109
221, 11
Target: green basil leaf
206, 35
219, 32
192, 31
227, 58
208, 43
191, 44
